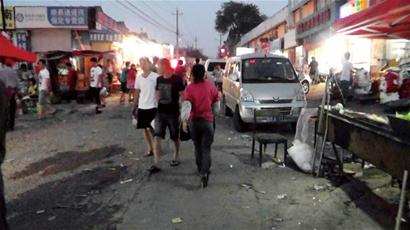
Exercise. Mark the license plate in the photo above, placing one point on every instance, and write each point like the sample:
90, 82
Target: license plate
278, 118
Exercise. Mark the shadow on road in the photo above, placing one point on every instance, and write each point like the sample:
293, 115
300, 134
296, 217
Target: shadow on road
71, 203
66, 161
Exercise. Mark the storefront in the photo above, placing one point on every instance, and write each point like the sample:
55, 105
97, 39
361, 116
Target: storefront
385, 25
44, 29
313, 32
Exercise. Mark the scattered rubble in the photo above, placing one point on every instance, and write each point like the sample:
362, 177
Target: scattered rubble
282, 196
126, 181
177, 220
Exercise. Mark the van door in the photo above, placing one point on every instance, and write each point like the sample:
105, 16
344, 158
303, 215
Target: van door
236, 83
229, 84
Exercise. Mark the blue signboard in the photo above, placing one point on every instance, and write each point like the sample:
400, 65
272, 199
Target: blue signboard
68, 16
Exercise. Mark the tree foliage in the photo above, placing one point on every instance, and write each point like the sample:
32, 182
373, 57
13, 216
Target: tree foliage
236, 19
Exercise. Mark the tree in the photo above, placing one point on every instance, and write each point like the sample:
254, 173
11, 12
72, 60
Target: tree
237, 19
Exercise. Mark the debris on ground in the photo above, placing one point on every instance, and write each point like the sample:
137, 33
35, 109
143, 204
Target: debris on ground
130, 152
231, 132
40, 211
268, 165
229, 139
282, 196
244, 136
126, 181
177, 220
231, 166
319, 187
247, 186
278, 220
51, 218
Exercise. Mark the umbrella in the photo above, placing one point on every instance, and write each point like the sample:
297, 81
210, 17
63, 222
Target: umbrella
8, 50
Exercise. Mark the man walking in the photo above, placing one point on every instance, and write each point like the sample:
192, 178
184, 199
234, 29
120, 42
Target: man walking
44, 87
313, 70
145, 103
169, 90
3, 129
123, 80
96, 83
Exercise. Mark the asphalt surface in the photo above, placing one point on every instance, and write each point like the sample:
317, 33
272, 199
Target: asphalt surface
78, 170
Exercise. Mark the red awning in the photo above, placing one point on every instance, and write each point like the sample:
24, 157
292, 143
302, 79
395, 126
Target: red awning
8, 50
387, 19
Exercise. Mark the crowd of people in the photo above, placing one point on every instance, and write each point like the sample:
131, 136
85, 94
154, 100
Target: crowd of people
166, 100
179, 100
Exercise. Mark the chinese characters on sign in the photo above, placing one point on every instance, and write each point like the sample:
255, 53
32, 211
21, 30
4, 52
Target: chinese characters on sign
105, 37
317, 20
67, 16
30, 17
9, 17
23, 40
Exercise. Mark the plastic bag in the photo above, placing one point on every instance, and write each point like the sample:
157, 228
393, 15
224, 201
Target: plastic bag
302, 149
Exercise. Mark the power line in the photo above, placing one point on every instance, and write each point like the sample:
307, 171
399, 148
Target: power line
143, 17
149, 17
155, 12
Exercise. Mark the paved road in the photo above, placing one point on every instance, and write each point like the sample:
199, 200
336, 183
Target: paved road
84, 171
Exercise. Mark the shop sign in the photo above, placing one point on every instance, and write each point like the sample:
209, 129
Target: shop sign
105, 22
315, 21
97, 36
23, 40
9, 18
352, 7
51, 17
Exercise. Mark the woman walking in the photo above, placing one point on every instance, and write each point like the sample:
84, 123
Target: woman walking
132, 74
200, 105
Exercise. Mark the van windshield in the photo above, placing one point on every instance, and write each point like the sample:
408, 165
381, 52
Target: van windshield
212, 65
267, 70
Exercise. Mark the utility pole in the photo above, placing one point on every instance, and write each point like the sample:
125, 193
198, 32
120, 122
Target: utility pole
177, 14
196, 42
220, 40
3, 15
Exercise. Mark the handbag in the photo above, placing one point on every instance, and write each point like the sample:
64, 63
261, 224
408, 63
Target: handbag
184, 136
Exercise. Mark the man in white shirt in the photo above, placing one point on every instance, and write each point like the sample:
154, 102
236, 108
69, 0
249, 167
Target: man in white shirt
346, 75
145, 105
44, 87
96, 83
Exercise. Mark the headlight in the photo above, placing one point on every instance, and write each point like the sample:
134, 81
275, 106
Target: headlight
246, 96
300, 96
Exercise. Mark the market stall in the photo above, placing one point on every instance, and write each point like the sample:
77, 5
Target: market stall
80, 59
387, 25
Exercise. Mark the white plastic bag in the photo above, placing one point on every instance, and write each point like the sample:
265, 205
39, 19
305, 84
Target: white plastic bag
302, 149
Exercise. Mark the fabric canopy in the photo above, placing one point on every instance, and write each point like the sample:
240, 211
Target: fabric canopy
389, 19
8, 50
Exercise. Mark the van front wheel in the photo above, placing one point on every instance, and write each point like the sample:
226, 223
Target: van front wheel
238, 124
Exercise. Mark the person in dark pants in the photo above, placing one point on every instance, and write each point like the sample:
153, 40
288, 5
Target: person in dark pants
169, 88
10, 78
201, 103
96, 83
3, 128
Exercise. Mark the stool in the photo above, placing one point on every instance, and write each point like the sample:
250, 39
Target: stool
269, 138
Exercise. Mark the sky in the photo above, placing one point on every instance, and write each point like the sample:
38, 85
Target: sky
197, 19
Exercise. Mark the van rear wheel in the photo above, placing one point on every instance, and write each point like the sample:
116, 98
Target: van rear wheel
238, 124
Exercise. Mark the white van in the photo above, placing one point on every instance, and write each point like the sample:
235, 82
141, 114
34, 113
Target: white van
264, 83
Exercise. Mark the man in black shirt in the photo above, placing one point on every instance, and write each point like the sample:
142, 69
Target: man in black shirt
169, 89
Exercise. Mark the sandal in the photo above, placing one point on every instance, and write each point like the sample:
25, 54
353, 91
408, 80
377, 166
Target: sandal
174, 163
149, 154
